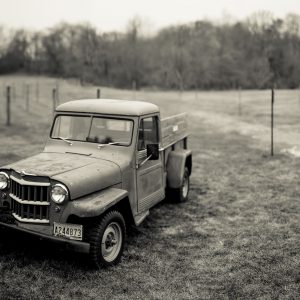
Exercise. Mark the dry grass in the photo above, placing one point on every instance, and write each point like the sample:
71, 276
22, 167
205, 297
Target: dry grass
237, 237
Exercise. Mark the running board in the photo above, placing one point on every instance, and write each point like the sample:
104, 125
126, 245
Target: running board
138, 219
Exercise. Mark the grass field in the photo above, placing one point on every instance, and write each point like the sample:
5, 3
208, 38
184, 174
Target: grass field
237, 237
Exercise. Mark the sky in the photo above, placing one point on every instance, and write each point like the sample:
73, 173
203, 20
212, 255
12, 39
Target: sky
113, 15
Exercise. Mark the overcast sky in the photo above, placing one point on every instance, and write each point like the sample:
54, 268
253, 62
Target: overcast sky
110, 15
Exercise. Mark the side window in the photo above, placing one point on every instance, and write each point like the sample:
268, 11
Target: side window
148, 132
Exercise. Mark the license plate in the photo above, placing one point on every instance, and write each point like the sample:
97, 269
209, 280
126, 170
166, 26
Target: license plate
70, 231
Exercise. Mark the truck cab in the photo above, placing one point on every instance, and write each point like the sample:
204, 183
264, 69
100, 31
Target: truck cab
106, 163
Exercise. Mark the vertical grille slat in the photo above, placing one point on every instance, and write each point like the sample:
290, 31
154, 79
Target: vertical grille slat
22, 210
35, 194
32, 193
24, 207
35, 212
28, 211
27, 194
38, 209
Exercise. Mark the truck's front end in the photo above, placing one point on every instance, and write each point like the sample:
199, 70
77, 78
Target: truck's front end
83, 160
35, 204
82, 188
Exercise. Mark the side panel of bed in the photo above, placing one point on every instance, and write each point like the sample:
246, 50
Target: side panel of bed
173, 129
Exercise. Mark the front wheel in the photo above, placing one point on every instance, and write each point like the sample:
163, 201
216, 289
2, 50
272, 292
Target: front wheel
107, 238
181, 194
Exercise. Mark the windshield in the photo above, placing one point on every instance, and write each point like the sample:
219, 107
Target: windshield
99, 130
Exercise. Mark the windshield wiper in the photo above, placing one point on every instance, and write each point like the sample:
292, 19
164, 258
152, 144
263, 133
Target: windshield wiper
65, 140
113, 143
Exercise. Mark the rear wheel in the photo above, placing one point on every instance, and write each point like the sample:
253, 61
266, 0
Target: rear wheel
107, 239
181, 194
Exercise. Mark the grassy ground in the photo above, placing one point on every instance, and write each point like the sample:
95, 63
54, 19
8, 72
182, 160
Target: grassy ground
237, 237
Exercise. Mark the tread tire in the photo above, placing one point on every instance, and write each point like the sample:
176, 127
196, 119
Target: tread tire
95, 236
180, 195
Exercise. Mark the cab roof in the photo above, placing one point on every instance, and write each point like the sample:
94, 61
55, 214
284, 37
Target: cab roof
109, 106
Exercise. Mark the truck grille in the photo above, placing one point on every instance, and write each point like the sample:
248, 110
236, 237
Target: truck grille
30, 203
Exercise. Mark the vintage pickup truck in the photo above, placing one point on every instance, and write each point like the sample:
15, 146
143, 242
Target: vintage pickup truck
105, 164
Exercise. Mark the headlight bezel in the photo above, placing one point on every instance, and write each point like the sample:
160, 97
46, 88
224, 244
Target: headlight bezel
66, 193
7, 181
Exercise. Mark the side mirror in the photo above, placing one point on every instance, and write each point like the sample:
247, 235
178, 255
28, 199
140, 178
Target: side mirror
153, 151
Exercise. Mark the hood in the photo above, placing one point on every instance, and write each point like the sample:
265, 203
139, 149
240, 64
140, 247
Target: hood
80, 173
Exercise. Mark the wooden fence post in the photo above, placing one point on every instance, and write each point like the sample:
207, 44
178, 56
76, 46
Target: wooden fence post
98, 93
8, 105
272, 122
240, 101
57, 92
54, 99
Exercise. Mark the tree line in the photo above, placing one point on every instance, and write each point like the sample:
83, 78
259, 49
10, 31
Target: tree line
258, 52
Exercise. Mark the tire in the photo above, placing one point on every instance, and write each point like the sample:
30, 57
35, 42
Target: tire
181, 194
107, 238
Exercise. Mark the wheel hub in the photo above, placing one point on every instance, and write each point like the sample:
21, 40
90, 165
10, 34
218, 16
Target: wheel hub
111, 241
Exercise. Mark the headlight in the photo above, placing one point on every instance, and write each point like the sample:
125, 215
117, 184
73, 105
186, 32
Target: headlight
59, 193
4, 181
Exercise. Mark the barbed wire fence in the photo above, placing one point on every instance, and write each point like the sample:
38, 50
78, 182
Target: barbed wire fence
38, 98
34, 97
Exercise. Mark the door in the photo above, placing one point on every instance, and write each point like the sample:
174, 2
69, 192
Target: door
150, 188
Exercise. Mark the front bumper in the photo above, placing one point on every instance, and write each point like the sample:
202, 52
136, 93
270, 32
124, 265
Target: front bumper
77, 246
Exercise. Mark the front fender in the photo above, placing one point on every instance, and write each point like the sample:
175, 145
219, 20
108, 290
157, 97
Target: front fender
175, 167
94, 204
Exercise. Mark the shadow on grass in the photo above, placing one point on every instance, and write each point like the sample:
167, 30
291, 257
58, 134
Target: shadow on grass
24, 249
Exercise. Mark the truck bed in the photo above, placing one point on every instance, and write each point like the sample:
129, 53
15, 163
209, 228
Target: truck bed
173, 129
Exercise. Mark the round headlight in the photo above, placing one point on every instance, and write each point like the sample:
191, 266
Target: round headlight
4, 181
59, 193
